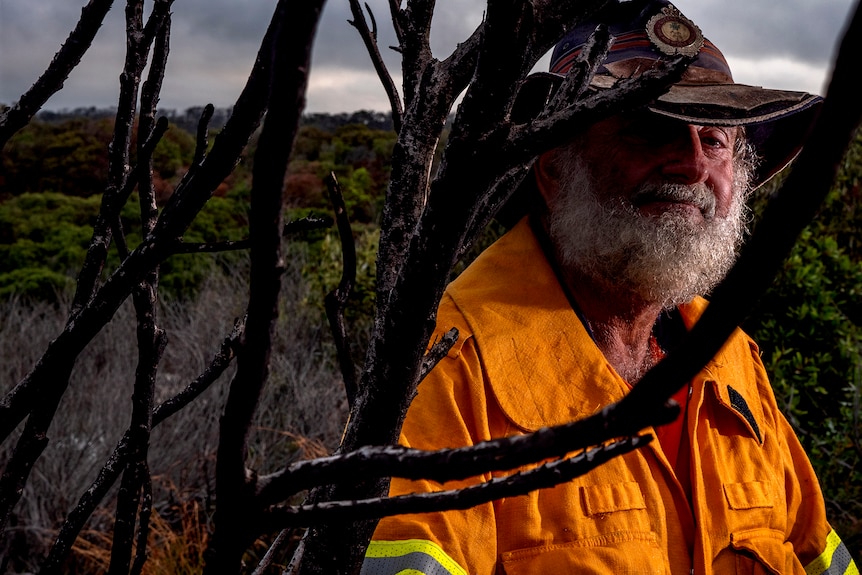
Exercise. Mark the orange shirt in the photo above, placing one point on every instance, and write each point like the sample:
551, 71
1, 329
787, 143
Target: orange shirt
523, 361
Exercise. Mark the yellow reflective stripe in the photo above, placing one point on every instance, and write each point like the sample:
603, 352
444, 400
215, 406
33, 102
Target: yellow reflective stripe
409, 557
835, 559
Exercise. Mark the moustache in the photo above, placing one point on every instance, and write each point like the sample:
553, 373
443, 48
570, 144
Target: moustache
699, 195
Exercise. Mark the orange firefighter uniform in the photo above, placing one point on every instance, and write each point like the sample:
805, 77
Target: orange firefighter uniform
746, 499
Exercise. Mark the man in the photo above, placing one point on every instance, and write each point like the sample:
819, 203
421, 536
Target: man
633, 221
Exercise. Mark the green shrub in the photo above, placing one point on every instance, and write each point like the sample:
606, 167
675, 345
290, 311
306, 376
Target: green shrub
808, 328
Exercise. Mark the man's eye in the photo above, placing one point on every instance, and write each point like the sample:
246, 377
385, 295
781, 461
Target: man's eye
718, 139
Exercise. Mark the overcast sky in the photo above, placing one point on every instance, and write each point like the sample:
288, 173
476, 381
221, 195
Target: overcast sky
787, 44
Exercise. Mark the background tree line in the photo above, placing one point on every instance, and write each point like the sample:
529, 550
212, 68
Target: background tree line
50, 195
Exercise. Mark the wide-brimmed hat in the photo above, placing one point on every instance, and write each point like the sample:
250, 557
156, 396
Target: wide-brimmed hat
648, 31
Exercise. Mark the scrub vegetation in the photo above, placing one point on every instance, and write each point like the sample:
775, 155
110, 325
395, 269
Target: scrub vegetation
44, 234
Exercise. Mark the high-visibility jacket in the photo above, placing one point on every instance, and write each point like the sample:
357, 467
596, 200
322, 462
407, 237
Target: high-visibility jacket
523, 361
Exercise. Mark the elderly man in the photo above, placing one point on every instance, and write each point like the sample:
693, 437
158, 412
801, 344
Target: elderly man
631, 222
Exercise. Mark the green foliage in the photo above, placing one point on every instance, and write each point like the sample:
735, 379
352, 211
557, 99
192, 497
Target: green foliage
324, 269
71, 157
359, 157
808, 327
44, 239
34, 283
174, 152
53, 173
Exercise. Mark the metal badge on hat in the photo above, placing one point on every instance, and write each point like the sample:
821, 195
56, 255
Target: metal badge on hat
674, 34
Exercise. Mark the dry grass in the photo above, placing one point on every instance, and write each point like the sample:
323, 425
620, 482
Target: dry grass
301, 414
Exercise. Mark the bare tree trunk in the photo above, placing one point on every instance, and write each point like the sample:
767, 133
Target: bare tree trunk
292, 34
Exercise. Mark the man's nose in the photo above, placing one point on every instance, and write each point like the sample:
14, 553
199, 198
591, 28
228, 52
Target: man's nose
685, 161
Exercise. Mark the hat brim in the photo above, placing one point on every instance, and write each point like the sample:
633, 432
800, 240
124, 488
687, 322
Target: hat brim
776, 121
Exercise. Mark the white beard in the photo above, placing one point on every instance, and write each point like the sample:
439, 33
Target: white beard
666, 259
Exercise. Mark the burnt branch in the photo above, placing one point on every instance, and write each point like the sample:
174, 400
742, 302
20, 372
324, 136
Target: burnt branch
226, 354
151, 344
583, 70
293, 31
115, 463
438, 351
369, 37
137, 51
128, 499
51, 81
151, 338
544, 476
397, 17
144, 529
201, 141
300, 226
278, 546
149, 101
336, 300
453, 464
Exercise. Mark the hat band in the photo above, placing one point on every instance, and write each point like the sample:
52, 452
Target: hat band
637, 46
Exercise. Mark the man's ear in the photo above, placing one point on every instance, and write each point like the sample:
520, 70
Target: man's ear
547, 175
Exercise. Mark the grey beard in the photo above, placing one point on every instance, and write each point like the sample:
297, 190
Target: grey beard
666, 259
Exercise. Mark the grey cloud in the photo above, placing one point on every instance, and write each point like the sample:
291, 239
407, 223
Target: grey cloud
802, 30
214, 43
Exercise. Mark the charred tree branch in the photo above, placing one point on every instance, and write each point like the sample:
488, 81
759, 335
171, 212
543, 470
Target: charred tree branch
369, 37
117, 460
544, 476
336, 300
438, 351
453, 464
201, 141
293, 31
51, 81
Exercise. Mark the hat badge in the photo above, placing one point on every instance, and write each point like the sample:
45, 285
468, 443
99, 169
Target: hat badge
674, 34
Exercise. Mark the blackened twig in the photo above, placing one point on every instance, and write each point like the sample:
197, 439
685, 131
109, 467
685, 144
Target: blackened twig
583, 69
369, 37
144, 524
438, 351
336, 300
277, 546
226, 353
544, 476
64, 61
452, 464
302, 225
116, 461
201, 142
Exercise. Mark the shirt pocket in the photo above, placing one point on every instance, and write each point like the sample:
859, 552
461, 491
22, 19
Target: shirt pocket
614, 535
764, 552
621, 554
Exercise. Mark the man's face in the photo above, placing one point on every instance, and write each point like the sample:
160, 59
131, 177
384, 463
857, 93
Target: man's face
649, 205
627, 151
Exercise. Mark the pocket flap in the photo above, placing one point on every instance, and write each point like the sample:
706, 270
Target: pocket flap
748, 495
599, 499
